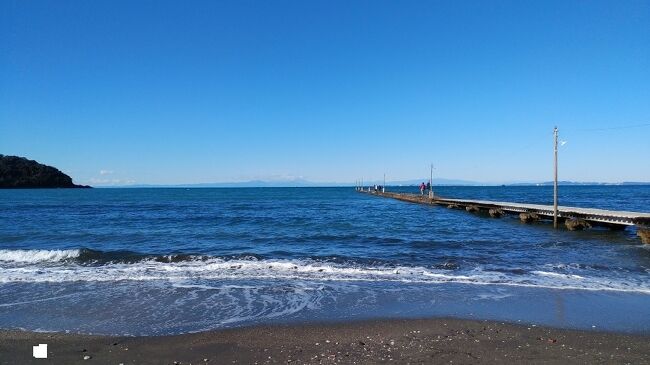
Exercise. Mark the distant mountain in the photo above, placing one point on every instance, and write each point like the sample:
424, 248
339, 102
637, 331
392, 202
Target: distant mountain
294, 183
19, 172
252, 184
297, 183
436, 181
550, 183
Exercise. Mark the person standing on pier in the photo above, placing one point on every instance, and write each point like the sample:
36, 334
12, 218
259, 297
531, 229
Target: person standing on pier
422, 186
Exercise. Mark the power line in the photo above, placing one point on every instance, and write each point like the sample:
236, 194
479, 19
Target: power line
610, 128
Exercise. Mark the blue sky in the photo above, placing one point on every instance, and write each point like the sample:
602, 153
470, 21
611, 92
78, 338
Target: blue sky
161, 92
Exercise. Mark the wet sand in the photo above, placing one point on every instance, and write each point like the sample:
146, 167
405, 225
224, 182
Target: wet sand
419, 341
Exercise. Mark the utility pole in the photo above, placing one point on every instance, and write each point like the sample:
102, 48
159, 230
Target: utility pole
555, 181
431, 183
383, 187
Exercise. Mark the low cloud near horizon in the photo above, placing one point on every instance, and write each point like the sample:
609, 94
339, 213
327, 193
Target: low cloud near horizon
99, 181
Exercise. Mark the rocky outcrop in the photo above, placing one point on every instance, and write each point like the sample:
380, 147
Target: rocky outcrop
19, 172
472, 208
453, 206
644, 233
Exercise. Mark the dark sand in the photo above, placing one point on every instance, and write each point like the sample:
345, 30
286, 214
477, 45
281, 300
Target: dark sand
424, 341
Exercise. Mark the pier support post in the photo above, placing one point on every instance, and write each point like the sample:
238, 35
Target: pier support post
528, 217
496, 213
472, 208
577, 224
644, 233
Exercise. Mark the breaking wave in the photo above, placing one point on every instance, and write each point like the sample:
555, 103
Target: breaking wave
34, 256
97, 266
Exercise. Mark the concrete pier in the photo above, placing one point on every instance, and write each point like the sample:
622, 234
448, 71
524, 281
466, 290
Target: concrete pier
574, 218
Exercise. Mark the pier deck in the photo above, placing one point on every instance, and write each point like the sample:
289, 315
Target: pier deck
597, 217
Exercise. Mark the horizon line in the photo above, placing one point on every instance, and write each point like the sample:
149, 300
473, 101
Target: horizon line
342, 185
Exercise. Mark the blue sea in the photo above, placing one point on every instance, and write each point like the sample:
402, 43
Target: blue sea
168, 261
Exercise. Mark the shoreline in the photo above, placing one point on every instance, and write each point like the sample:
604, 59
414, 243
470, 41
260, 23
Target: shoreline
363, 342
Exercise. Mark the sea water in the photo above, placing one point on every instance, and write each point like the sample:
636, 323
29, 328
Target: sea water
166, 261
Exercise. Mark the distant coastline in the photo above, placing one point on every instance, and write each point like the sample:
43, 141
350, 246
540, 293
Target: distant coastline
21, 173
308, 184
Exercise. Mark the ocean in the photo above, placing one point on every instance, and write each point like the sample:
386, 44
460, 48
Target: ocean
168, 261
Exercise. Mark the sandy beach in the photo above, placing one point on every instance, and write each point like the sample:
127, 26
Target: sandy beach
419, 341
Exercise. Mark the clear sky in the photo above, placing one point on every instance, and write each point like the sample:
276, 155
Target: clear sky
163, 92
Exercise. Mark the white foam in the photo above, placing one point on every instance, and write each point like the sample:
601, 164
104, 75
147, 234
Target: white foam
34, 256
241, 270
557, 275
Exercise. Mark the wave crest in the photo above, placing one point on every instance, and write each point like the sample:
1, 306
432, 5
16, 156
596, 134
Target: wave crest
36, 256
